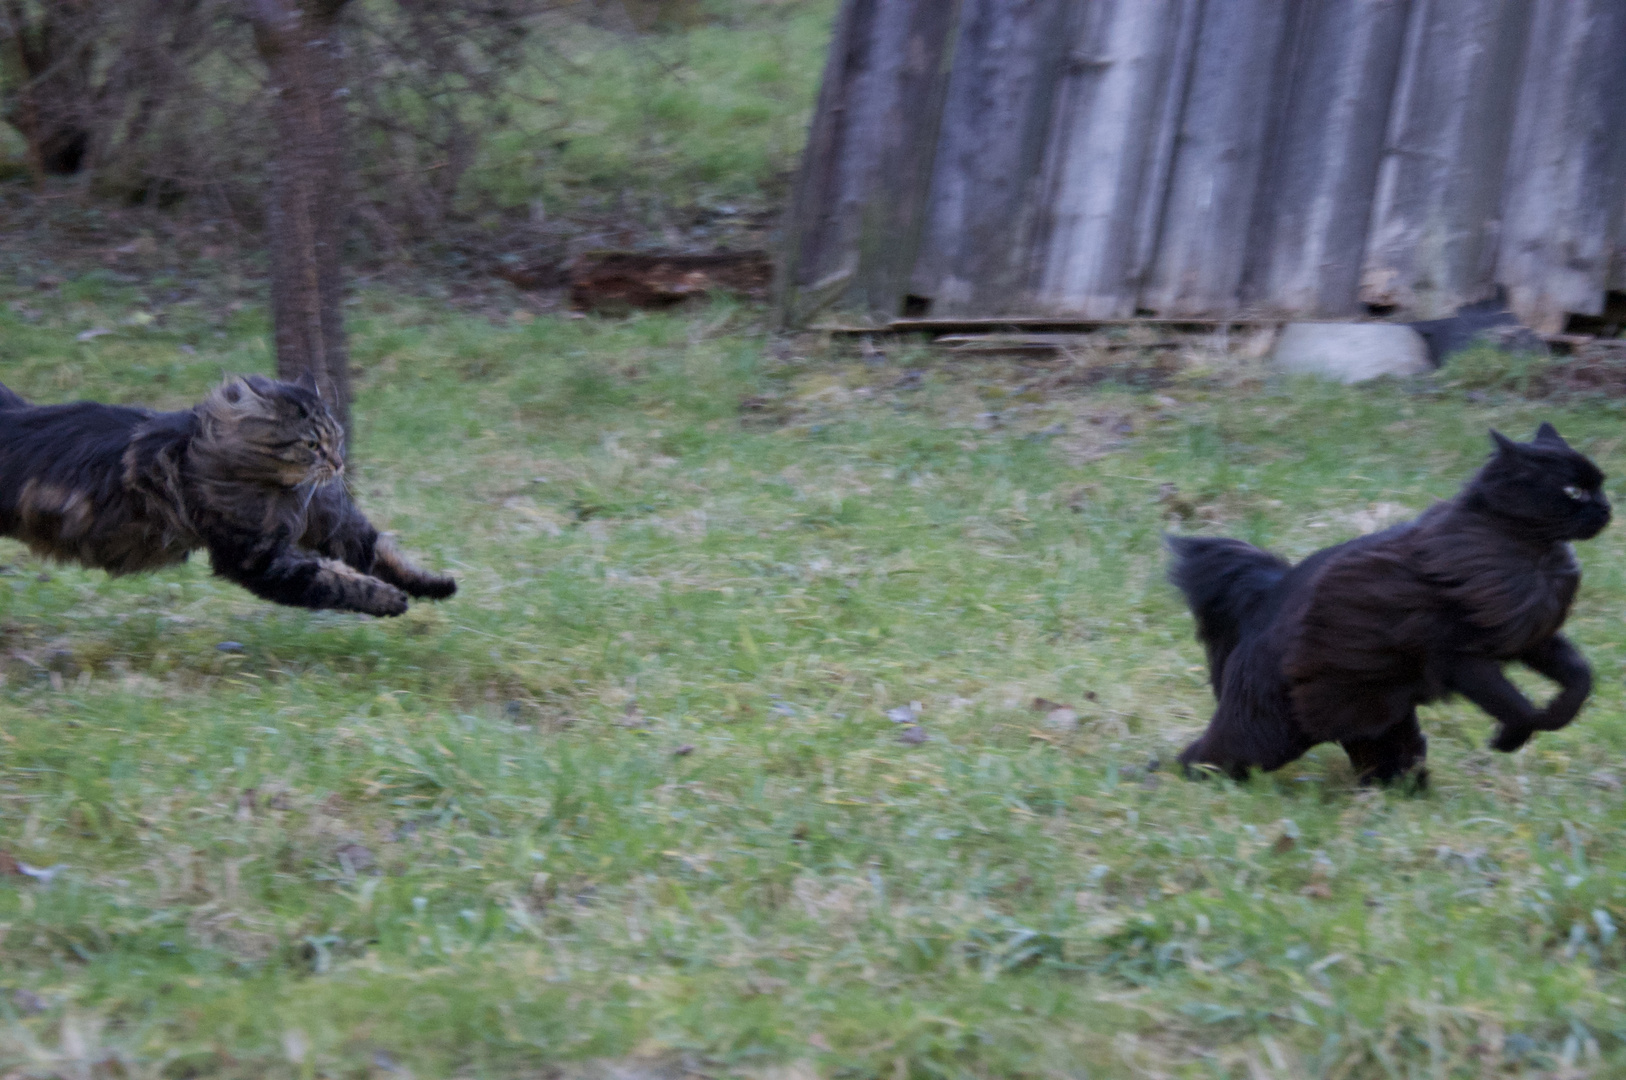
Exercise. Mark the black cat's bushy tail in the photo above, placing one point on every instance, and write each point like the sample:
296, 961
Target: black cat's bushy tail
9, 400
1226, 583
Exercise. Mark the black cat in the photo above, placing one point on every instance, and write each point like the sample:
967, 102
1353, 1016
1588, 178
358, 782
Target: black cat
1344, 646
253, 473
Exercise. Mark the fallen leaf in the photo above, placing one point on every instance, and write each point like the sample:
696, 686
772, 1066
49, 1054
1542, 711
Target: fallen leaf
684, 751
9, 866
1173, 503
355, 858
27, 1002
764, 984
1283, 844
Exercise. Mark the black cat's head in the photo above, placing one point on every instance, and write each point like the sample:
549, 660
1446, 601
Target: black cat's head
259, 429
1550, 490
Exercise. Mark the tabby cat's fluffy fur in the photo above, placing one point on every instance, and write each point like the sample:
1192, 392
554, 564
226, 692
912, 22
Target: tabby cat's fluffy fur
252, 474
1344, 646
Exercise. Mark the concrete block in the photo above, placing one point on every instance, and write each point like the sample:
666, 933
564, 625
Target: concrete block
1351, 352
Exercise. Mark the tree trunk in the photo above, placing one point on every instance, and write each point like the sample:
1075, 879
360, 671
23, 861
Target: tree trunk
298, 41
53, 47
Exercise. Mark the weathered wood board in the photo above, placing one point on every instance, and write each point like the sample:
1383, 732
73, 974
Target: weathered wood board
1205, 159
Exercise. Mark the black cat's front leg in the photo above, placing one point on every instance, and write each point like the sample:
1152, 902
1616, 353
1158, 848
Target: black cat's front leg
1481, 681
1563, 663
337, 528
274, 570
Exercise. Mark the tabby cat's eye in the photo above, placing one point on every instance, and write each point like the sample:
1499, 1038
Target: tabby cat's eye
313, 444
1578, 494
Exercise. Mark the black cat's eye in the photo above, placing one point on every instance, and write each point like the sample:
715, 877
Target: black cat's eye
1577, 493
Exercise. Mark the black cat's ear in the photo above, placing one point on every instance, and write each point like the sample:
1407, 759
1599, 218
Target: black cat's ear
307, 381
1549, 435
1503, 443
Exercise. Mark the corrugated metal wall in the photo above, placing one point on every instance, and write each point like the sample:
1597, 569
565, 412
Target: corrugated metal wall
1211, 158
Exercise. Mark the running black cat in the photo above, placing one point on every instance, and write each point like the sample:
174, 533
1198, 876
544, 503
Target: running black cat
253, 474
1344, 646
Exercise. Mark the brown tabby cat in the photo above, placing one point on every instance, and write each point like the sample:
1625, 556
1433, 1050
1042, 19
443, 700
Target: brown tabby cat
252, 474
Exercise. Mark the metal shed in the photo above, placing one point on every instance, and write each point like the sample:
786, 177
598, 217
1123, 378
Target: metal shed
1213, 158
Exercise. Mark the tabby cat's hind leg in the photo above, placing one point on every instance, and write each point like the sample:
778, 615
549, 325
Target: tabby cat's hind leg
394, 567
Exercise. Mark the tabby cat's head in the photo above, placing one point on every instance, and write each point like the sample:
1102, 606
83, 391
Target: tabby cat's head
257, 429
1547, 488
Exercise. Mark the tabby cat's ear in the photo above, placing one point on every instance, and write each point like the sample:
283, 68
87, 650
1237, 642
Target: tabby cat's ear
1549, 435
1503, 443
244, 395
237, 388
307, 381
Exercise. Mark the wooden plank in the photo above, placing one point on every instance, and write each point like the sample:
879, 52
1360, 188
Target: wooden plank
1043, 343
1315, 201
860, 194
1225, 123
1040, 324
1111, 151
1436, 218
986, 189
1566, 178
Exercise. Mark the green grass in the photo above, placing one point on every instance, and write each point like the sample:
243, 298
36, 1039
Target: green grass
633, 795
711, 118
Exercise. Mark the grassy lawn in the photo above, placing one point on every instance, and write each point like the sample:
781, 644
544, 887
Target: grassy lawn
634, 796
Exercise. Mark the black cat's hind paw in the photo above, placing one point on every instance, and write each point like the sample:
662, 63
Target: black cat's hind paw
1413, 781
1202, 770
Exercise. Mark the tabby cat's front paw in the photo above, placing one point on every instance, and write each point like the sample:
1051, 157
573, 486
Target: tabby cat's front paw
431, 586
382, 600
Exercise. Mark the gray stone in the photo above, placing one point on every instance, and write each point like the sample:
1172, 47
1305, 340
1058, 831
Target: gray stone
1351, 352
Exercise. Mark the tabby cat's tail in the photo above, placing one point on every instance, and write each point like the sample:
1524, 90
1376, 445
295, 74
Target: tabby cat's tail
8, 400
1227, 584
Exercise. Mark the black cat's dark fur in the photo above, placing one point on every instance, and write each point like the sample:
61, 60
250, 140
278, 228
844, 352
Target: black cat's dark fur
1344, 646
253, 474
